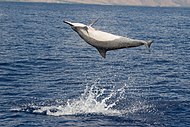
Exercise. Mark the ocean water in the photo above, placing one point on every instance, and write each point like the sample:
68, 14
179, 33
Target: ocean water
50, 77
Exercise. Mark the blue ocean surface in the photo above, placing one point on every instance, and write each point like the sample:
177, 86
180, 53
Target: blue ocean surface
50, 77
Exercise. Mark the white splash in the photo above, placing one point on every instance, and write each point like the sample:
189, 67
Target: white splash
89, 102
93, 100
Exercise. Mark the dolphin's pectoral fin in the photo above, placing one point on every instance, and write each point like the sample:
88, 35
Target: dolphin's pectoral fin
102, 52
86, 28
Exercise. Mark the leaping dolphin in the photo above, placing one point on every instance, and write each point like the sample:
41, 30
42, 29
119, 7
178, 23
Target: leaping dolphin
104, 41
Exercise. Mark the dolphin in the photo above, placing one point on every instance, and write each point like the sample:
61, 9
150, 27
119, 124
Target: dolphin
104, 41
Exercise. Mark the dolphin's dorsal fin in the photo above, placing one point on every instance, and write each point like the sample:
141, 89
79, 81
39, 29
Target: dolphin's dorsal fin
102, 52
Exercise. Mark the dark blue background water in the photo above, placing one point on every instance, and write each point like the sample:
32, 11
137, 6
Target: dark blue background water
43, 63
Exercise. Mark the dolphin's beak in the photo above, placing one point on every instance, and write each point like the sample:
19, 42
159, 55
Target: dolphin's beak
69, 23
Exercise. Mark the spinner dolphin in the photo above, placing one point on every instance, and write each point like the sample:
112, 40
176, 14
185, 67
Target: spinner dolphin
104, 41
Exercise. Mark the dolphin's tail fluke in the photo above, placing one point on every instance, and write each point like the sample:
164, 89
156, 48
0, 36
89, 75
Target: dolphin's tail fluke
148, 43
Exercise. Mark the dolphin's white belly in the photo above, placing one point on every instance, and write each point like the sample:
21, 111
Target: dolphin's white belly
102, 36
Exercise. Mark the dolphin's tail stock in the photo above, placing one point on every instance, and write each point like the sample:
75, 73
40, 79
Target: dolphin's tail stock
148, 43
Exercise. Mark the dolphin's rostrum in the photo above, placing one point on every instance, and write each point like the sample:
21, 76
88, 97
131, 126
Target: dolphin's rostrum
104, 41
